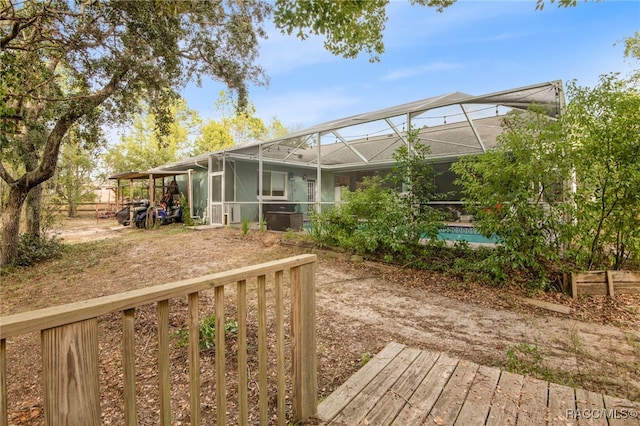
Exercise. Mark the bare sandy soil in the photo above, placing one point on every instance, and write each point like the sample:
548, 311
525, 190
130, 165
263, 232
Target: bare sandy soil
362, 306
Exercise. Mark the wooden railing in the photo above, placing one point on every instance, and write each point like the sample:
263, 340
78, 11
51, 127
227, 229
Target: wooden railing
69, 345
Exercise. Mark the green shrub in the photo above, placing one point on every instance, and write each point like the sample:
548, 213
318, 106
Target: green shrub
207, 332
33, 249
386, 216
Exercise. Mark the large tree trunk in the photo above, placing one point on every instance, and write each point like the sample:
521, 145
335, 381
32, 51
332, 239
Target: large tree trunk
11, 225
33, 210
73, 209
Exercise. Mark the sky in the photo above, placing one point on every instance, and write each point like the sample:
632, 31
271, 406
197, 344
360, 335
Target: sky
475, 47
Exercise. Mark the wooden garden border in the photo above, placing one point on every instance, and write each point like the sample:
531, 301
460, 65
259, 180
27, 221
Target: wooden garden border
605, 283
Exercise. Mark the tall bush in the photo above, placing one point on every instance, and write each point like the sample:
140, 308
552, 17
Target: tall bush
604, 125
518, 191
386, 215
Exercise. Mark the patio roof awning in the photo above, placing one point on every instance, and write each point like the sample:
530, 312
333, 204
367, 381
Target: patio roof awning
145, 175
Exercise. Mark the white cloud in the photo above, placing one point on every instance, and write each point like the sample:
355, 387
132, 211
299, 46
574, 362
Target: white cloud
403, 73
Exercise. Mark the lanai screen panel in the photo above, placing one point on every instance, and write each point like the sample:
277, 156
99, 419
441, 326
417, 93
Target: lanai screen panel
451, 125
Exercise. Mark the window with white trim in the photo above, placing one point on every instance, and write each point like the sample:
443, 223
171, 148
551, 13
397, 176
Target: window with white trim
274, 185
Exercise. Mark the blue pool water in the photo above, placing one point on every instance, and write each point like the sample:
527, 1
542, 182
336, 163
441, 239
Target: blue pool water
463, 233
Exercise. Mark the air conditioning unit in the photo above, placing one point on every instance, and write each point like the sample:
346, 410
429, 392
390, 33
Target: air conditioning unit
233, 213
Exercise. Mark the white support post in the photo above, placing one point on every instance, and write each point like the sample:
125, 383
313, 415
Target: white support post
190, 191
319, 179
260, 183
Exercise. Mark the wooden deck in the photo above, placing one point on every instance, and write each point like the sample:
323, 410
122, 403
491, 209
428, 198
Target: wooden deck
406, 386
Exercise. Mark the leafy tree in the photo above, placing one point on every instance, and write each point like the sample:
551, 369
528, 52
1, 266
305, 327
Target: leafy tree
349, 26
113, 54
144, 147
234, 127
214, 136
73, 181
604, 125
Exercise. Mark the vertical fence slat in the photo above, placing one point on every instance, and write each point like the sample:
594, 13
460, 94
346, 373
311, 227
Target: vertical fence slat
303, 342
243, 401
4, 412
70, 371
263, 400
194, 359
280, 346
221, 383
129, 366
164, 363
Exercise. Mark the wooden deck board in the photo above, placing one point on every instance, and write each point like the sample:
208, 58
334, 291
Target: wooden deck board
478, 403
335, 402
561, 399
506, 400
446, 409
427, 393
404, 386
386, 410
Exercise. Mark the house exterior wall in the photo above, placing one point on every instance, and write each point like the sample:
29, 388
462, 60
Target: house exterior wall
242, 187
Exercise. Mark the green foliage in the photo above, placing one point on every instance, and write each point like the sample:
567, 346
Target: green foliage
207, 333
604, 125
517, 191
144, 147
377, 218
214, 136
246, 226
37, 248
262, 224
73, 182
185, 215
365, 357
349, 26
524, 359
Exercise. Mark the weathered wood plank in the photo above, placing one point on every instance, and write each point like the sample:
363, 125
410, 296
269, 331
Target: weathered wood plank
356, 411
605, 282
621, 412
335, 402
533, 402
70, 372
427, 393
391, 403
562, 402
263, 396
4, 410
194, 358
587, 403
505, 401
478, 402
610, 290
164, 363
221, 382
626, 277
590, 277
303, 341
129, 366
281, 382
446, 409
554, 307
55, 316
243, 401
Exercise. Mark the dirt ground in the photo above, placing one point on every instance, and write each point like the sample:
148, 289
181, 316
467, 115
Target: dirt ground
361, 306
